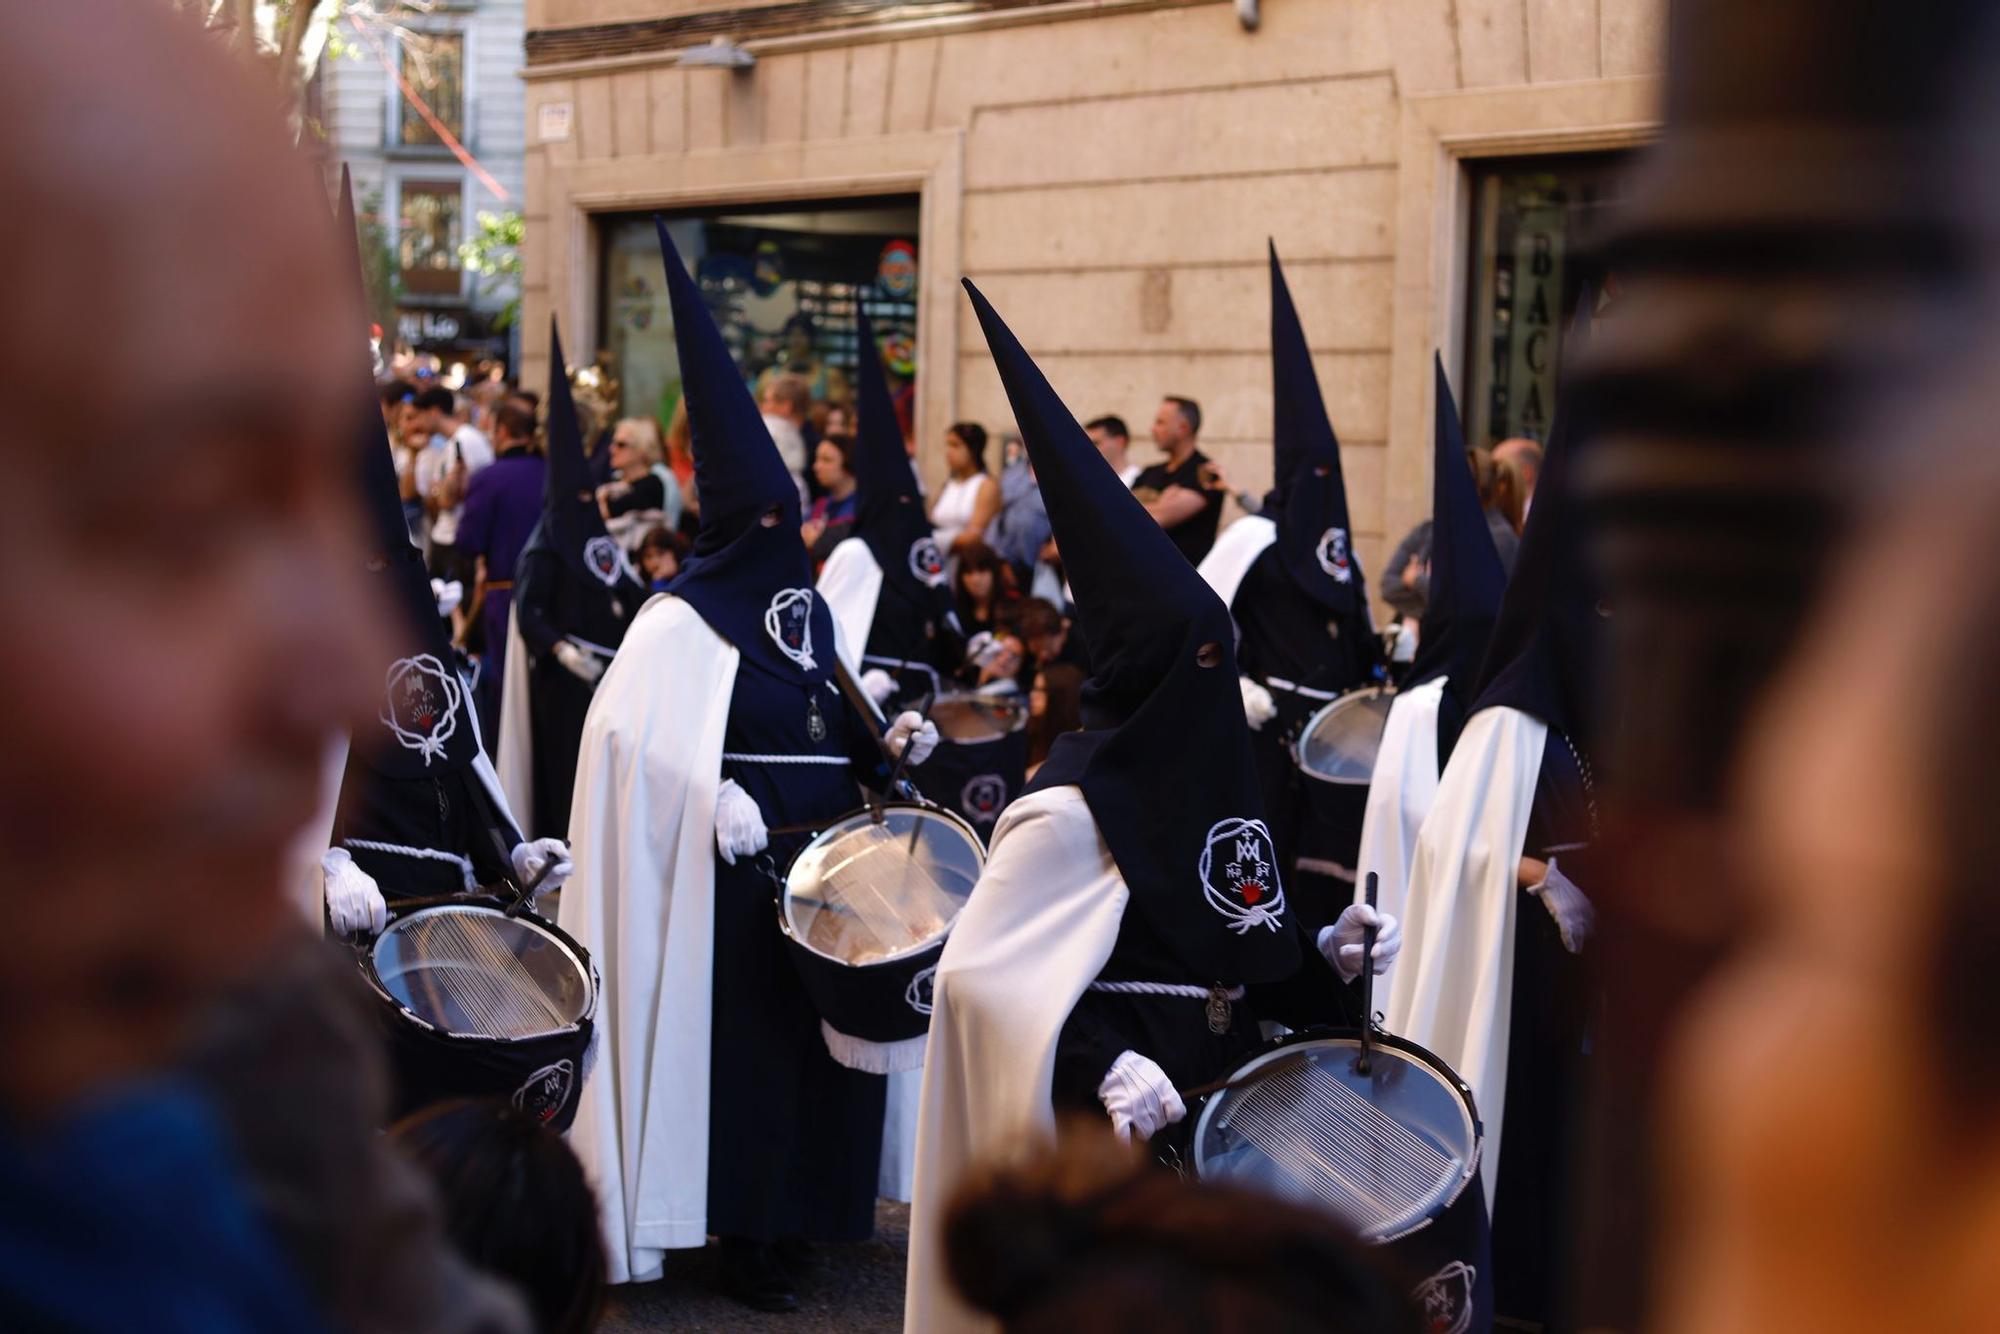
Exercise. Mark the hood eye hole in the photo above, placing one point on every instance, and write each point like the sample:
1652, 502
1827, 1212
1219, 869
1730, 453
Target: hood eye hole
1209, 654
772, 515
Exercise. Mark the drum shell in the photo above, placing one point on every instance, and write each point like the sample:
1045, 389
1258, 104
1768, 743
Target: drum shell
876, 1002
1381, 695
886, 1001
541, 1075
975, 780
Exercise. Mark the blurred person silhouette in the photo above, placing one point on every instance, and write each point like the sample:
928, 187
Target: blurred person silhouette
1086, 1238
661, 552
969, 499
645, 491
515, 1204
188, 1081
1833, 1091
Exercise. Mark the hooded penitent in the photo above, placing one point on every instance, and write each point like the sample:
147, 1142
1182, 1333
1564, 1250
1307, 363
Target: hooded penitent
1307, 500
1467, 579
889, 515
1164, 763
425, 714
748, 554
572, 526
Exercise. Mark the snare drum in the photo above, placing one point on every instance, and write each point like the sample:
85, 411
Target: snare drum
1386, 1152
1339, 743
865, 910
480, 1004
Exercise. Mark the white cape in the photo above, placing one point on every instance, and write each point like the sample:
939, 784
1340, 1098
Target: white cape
850, 583
1400, 793
517, 731
1234, 552
1452, 990
1039, 926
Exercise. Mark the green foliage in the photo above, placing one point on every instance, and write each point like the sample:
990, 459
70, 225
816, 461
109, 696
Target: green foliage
380, 274
494, 253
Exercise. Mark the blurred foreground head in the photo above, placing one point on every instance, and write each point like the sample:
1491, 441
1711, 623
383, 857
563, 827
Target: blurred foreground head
1088, 1238
179, 574
1836, 1101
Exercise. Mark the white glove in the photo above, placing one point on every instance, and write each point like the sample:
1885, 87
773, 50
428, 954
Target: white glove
448, 595
911, 723
1566, 903
529, 859
1258, 706
1141, 1099
582, 664
879, 684
980, 648
739, 825
353, 899
1341, 942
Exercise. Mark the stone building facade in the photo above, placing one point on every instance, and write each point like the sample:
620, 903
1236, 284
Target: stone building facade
1108, 171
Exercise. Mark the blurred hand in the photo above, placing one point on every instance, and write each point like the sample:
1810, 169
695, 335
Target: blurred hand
354, 903
739, 826
1258, 706
1139, 1097
919, 731
1341, 943
1574, 917
879, 684
529, 859
582, 664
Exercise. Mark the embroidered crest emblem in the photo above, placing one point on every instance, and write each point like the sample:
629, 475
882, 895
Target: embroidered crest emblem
919, 994
1445, 1298
982, 797
788, 621
422, 704
1333, 555
546, 1092
1239, 875
926, 561
604, 559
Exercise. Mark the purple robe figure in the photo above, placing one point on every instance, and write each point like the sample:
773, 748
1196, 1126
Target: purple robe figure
503, 503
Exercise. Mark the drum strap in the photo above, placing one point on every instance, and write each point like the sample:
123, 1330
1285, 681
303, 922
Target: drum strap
1164, 989
1294, 688
739, 757
463, 864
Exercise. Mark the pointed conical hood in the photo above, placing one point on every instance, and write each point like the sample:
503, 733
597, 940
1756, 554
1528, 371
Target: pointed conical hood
572, 526
1467, 580
1167, 768
425, 710
889, 514
1543, 655
1308, 498
749, 576
738, 472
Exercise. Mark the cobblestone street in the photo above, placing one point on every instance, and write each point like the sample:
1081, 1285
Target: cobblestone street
852, 1289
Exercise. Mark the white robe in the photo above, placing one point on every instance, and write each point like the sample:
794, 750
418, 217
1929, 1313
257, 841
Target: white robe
1452, 989
850, 583
517, 730
1400, 794
642, 901
1234, 552
1037, 929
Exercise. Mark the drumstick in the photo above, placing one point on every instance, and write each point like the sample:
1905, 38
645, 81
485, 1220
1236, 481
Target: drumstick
1368, 977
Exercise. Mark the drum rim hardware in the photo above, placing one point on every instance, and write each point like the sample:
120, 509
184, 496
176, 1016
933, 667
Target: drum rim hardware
573, 954
1373, 690
876, 814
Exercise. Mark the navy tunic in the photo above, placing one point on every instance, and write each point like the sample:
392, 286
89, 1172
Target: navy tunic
794, 1138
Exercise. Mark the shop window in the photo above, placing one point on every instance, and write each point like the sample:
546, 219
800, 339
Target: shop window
427, 237
1533, 222
783, 284
433, 65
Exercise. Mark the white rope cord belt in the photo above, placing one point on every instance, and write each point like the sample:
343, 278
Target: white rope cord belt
1294, 688
589, 647
464, 864
1164, 989
738, 757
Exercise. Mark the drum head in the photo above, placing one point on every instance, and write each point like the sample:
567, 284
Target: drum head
972, 718
866, 893
475, 972
1339, 742
1385, 1152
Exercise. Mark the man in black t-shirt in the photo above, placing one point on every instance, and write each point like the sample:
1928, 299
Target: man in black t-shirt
1176, 491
